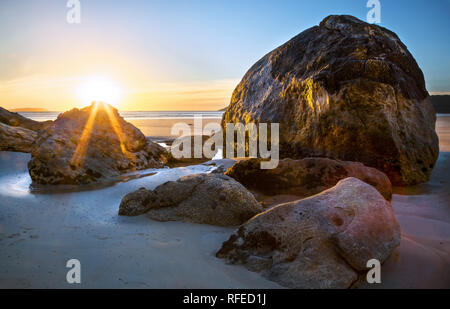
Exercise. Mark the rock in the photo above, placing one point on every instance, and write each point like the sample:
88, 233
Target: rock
323, 241
135, 203
16, 139
89, 145
17, 120
305, 177
345, 90
203, 198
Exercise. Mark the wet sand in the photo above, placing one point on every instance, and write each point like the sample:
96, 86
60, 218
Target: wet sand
423, 211
443, 131
39, 233
160, 129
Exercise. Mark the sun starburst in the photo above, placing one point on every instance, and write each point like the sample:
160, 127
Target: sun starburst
83, 143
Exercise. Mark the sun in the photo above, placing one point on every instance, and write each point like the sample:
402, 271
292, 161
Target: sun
99, 89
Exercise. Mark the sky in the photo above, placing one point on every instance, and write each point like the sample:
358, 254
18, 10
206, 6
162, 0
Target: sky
180, 54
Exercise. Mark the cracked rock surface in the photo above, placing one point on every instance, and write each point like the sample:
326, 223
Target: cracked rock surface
323, 241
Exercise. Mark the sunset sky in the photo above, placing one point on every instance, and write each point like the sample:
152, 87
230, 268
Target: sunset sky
180, 55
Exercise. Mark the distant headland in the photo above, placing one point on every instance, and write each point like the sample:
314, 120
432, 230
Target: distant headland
29, 109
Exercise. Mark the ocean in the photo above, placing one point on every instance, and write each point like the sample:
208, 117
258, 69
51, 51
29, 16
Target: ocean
143, 115
158, 125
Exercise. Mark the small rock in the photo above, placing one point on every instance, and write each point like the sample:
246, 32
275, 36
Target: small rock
305, 177
16, 139
203, 198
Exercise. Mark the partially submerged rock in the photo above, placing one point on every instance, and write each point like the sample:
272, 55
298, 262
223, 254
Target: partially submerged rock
16, 120
345, 90
16, 139
305, 177
203, 198
323, 241
90, 144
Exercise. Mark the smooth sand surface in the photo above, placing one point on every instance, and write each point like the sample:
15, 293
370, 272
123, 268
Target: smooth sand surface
39, 233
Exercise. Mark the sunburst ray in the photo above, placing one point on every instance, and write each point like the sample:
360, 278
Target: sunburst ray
80, 151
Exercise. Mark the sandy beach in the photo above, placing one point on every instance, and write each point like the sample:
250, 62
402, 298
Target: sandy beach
39, 233
161, 128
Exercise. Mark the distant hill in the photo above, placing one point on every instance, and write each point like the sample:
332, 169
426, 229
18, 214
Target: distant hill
441, 103
29, 109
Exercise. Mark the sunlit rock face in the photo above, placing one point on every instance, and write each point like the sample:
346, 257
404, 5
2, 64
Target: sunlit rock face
323, 241
345, 90
90, 144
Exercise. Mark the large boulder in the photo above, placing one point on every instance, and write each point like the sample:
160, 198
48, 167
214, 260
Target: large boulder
324, 241
305, 177
16, 139
89, 145
16, 120
346, 90
202, 198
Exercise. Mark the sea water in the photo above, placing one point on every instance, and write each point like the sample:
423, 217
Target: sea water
138, 115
